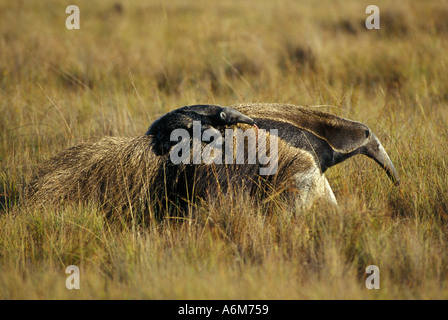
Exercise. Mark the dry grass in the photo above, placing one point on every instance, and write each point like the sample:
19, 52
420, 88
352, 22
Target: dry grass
133, 60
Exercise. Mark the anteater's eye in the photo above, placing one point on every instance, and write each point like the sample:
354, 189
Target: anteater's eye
367, 132
222, 115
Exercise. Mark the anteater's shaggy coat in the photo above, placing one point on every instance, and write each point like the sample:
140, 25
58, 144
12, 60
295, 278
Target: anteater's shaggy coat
124, 175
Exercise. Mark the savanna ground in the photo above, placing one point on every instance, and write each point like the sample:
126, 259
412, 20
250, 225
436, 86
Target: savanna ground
131, 61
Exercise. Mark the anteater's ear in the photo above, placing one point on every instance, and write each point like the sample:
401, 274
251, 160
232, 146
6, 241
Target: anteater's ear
222, 115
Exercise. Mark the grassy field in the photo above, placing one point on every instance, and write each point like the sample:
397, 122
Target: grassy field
133, 60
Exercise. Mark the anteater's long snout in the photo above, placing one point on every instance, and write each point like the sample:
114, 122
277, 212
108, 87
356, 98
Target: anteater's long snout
375, 150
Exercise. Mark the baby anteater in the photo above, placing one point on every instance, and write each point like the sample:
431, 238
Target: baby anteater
210, 116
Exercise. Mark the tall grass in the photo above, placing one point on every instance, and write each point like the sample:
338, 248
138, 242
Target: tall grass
132, 61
